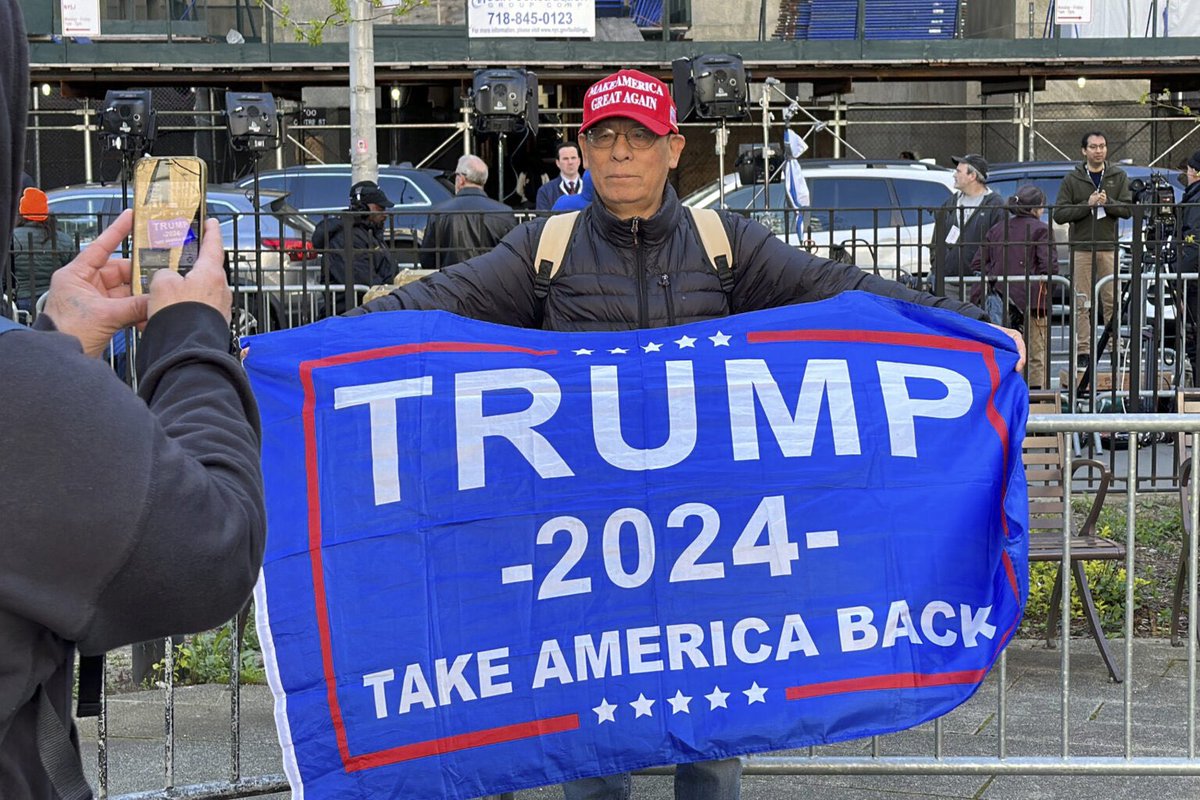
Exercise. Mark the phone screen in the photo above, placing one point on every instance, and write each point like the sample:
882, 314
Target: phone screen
168, 215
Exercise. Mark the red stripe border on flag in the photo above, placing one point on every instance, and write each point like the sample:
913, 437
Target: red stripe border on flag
911, 680
408, 752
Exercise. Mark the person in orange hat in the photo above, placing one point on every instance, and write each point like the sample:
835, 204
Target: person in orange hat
38, 248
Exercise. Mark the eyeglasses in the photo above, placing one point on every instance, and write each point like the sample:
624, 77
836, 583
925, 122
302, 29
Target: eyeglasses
1097, 147
606, 138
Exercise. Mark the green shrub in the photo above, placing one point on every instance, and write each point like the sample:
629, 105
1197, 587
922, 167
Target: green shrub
1107, 582
206, 657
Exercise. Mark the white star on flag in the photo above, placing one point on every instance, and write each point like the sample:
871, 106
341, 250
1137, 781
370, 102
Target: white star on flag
717, 698
685, 341
618, 351
679, 703
583, 351
642, 706
755, 694
605, 712
653, 347
720, 339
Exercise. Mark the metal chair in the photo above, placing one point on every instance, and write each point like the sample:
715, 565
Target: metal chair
1049, 509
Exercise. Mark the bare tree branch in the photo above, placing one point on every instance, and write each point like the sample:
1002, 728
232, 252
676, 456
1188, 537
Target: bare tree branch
312, 31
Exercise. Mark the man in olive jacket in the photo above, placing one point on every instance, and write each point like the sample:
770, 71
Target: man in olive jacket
1092, 197
635, 261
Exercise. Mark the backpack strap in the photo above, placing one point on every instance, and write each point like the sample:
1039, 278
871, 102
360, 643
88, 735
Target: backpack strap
91, 677
715, 242
57, 753
552, 246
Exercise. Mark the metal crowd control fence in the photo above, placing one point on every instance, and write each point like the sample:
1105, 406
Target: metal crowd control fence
894, 754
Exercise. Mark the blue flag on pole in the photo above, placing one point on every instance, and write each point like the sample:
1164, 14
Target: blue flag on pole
501, 558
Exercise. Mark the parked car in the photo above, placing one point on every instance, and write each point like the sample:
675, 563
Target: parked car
320, 189
877, 214
284, 239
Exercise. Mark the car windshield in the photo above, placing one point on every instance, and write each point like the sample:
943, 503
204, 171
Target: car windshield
840, 204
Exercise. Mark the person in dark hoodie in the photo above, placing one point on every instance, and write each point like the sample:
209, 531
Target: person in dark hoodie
635, 261
126, 517
370, 259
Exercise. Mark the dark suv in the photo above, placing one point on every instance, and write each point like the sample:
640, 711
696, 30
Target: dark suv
320, 189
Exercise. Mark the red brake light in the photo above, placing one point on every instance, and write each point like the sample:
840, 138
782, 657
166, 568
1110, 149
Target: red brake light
297, 249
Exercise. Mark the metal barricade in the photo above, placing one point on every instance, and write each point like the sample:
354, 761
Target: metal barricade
895, 755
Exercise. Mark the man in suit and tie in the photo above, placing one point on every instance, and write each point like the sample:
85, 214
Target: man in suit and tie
568, 180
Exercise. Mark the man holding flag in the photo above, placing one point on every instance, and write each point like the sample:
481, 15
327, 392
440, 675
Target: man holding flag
641, 246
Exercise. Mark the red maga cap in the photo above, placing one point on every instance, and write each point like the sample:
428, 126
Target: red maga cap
634, 95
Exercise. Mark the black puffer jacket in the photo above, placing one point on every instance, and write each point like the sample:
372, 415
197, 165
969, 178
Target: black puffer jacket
639, 273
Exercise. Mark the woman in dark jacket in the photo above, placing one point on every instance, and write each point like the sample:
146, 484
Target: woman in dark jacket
1015, 250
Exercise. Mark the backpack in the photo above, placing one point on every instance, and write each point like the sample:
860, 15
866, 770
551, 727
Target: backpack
552, 246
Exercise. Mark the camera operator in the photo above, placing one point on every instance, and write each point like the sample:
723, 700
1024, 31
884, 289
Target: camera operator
1187, 236
371, 261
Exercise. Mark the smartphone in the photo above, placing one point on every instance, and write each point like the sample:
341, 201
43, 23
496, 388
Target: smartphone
168, 215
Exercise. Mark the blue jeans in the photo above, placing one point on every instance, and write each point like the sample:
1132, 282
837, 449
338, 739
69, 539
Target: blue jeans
701, 780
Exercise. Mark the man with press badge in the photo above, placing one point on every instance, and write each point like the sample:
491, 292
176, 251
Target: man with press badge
962, 223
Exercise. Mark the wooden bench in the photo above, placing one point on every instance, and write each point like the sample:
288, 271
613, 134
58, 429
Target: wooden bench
1049, 492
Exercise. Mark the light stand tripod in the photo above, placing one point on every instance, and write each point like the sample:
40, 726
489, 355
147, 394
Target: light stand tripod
721, 132
1151, 247
790, 150
253, 123
794, 108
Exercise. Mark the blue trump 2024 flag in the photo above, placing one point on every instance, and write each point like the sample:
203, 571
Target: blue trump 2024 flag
501, 558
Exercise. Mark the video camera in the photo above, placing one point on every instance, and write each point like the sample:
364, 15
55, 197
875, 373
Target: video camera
1158, 228
1156, 193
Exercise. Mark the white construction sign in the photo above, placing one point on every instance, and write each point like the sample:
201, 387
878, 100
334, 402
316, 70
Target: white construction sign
531, 18
80, 17
1072, 12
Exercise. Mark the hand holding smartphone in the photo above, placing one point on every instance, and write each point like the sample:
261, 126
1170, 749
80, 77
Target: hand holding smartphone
168, 215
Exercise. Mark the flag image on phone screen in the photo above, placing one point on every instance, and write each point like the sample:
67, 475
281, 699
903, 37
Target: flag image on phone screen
168, 215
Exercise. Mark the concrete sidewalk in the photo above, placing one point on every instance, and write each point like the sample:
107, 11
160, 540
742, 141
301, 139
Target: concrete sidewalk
202, 750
